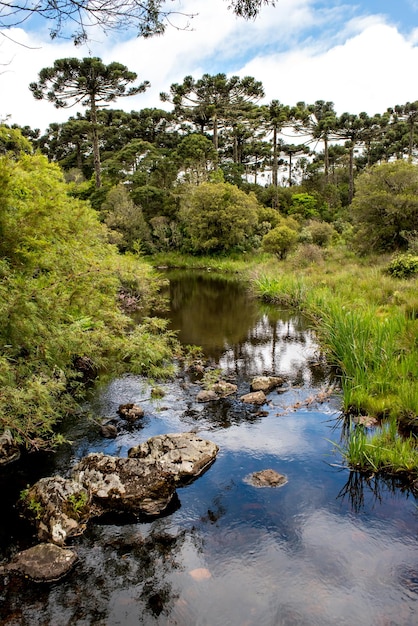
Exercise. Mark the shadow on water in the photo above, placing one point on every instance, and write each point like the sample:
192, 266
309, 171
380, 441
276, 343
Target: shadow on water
329, 547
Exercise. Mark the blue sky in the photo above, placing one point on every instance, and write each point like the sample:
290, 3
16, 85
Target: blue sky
359, 55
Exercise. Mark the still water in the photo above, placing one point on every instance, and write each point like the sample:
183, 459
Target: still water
327, 548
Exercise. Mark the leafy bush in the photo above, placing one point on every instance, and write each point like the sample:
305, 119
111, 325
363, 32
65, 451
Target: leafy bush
280, 241
403, 265
219, 217
318, 233
385, 207
304, 205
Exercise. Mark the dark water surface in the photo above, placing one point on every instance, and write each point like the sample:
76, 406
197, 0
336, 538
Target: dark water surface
325, 549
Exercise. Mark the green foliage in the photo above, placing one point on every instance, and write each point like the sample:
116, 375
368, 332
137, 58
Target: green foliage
403, 266
123, 216
318, 233
77, 504
13, 142
384, 451
280, 241
385, 206
59, 300
304, 205
198, 158
218, 217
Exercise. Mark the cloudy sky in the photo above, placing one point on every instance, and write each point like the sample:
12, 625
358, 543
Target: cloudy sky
360, 55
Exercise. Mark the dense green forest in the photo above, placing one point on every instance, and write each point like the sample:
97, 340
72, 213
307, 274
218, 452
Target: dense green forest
293, 189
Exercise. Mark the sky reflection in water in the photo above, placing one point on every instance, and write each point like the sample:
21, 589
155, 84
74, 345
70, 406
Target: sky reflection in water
327, 548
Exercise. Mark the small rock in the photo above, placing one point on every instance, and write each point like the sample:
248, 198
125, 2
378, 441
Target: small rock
266, 478
59, 508
109, 431
223, 388
206, 395
256, 397
366, 420
45, 562
200, 573
266, 383
131, 412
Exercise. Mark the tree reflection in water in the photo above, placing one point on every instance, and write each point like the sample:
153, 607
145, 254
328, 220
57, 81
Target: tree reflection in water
360, 485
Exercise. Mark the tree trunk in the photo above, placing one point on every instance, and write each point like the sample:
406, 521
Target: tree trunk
351, 175
95, 137
326, 158
275, 160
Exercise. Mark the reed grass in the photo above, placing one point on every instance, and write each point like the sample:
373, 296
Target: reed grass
384, 451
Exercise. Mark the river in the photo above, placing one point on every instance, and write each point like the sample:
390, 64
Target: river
328, 548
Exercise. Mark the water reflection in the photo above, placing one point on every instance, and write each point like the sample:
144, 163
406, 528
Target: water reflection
329, 547
378, 487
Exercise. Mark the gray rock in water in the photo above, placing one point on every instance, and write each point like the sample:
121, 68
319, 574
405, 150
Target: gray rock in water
266, 478
120, 484
256, 397
59, 508
265, 383
184, 455
45, 562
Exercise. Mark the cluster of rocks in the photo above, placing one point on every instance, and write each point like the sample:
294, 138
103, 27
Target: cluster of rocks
144, 484
260, 386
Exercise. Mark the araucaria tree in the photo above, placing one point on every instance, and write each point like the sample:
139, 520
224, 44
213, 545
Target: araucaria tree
212, 100
87, 81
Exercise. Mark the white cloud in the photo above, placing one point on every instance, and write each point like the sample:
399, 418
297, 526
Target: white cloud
297, 52
369, 72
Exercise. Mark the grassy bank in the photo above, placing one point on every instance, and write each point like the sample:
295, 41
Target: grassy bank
367, 324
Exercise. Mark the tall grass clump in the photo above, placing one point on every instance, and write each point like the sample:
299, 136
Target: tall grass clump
384, 451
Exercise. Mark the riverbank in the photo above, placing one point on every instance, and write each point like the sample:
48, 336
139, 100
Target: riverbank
367, 323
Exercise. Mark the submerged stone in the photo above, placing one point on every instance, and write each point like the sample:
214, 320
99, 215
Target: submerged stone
183, 455
266, 478
45, 562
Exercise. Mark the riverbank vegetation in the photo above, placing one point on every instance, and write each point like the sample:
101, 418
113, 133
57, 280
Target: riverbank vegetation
62, 294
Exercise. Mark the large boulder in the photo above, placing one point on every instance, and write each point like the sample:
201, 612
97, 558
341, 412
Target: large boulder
120, 484
45, 562
59, 508
183, 455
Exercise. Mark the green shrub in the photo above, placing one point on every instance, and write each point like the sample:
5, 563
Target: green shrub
403, 265
280, 241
